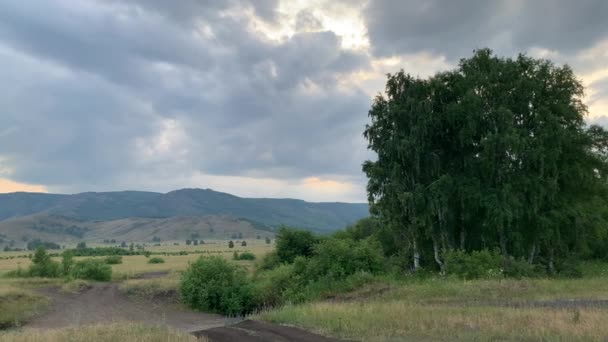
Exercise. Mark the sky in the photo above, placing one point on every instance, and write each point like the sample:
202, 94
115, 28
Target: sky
263, 98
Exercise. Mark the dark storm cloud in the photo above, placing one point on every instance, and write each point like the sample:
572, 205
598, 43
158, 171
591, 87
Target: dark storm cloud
454, 28
105, 89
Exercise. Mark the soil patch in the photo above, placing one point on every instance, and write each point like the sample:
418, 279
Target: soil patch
254, 331
104, 303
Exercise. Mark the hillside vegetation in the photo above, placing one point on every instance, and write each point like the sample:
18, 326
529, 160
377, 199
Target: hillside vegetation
107, 206
64, 230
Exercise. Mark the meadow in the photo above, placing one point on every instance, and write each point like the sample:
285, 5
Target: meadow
386, 308
439, 309
19, 300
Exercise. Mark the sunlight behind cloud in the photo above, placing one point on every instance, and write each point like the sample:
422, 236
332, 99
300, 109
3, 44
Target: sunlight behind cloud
7, 185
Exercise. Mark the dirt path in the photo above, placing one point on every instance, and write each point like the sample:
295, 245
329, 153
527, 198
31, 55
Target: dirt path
104, 303
254, 331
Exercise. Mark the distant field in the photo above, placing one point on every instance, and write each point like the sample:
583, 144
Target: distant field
137, 264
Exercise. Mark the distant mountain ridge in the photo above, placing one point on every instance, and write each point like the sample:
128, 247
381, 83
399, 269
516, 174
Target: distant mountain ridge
106, 206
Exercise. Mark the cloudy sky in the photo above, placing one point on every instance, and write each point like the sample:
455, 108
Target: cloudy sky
257, 98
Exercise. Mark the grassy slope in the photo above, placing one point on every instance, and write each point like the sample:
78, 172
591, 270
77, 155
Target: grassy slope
444, 310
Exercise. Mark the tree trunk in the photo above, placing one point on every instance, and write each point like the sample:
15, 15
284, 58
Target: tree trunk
532, 254
437, 258
416, 257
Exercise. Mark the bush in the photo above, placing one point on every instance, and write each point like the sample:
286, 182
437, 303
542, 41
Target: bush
474, 265
156, 260
230, 244
214, 285
272, 287
338, 258
91, 269
569, 268
43, 266
244, 256
291, 243
269, 262
113, 260
514, 268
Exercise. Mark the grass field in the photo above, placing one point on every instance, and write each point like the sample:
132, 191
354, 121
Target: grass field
136, 264
101, 333
389, 309
18, 300
18, 304
451, 309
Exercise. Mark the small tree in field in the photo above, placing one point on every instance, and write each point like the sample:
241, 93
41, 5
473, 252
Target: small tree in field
230, 244
244, 243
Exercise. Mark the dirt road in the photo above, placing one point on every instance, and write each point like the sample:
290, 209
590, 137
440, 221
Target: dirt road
104, 303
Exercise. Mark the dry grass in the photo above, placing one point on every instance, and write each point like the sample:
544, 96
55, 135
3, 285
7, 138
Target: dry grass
101, 333
450, 309
402, 320
17, 305
134, 265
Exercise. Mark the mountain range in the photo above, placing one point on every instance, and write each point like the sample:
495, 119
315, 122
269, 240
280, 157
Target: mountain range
139, 215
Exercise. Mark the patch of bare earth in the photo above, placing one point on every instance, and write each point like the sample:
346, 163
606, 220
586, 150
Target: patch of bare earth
104, 303
254, 331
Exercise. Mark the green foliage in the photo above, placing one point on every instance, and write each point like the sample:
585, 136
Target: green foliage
91, 269
338, 258
67, 262
81, 245
113, 260
291, 243
243, 243
244, 256
215, 285
43, 266
230, 244
101, 251
32, 245
271, 288
493, 154
474, 265
156, 260
269, 262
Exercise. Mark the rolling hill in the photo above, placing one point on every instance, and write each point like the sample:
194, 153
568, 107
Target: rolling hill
138, 214
64, 230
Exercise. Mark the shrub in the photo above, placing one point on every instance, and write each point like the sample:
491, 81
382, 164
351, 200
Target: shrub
269, 261
569, 268
214, 285
291, 243
67, 261
338, 258
113, 260
43, 266
230, 244
474, 265
91, 269
243, 243
156, 260
244, 256
514, 268
272, 287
